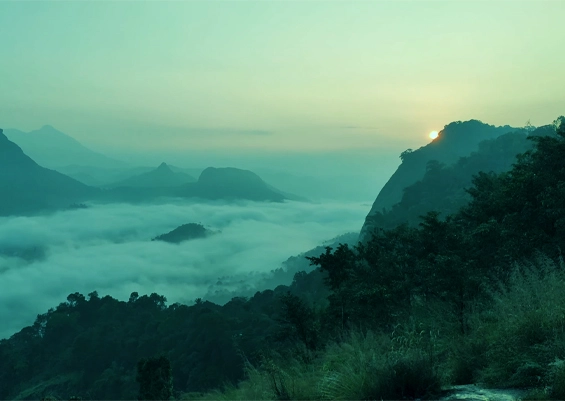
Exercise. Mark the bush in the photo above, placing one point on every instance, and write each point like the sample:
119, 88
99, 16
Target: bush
556, 379
379, 367
524, 329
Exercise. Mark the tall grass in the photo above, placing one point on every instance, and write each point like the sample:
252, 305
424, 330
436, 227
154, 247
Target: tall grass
373, 366
517, 339
364, 366
525, 329
269, 381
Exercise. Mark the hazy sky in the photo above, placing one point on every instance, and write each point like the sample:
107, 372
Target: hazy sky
277, 75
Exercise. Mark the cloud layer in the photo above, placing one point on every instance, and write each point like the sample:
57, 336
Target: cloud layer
108, 248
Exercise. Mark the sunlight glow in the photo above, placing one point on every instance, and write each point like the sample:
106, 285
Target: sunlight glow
433, 134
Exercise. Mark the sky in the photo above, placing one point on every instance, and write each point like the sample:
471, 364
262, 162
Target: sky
108, 248
277, 77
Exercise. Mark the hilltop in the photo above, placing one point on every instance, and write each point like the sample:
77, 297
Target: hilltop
162, 176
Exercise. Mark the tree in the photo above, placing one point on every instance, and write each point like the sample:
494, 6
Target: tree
155, 378
299, 320
404, 154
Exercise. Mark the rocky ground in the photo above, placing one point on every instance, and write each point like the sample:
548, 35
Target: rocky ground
471, 392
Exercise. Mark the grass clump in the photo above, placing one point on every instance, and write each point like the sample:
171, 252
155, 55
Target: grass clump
373, 366
525, 329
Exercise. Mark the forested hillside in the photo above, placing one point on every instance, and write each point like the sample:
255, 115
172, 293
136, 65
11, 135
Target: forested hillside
455, 140
474, 295
443, 187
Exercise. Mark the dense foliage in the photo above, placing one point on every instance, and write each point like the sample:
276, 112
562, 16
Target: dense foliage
476, 295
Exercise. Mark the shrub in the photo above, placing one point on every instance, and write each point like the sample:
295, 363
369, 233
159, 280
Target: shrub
374, 366
524, 329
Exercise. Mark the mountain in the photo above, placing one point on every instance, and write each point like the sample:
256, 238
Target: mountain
184, 233
456, 140
107, 177
162, 176
231, 183
53, 149
214, 183
27, 187
443, 188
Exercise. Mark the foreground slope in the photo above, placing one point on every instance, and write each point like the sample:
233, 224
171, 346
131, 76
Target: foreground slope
27, 187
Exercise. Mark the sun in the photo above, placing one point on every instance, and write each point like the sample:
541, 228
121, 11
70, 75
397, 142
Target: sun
433, 134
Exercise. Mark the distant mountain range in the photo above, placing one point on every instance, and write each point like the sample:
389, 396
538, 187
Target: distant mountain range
213, 184
56, 150
53, 149
27, 187
162, 176
109, 177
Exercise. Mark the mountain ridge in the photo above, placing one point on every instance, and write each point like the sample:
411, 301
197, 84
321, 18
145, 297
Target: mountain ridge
31, 187
53, 149
456, 140
162, 176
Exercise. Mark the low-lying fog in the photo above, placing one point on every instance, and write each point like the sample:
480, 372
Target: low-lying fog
108, 248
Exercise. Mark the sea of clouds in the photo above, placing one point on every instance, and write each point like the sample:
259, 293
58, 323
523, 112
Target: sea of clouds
108, 248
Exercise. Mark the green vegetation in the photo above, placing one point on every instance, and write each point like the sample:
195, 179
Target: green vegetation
155, 379
476, 296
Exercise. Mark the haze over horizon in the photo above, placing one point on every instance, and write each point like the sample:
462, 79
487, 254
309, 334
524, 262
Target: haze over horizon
255, 78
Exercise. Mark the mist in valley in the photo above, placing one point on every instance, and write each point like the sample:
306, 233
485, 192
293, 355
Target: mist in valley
108, 248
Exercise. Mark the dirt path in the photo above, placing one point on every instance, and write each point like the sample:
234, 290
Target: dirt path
471, 392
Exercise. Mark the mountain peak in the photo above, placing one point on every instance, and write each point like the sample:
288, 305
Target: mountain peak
3, 138
11, 154
228, 174
163, 166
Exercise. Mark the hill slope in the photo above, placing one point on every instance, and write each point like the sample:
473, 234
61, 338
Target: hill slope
27, 187
443, 188
214, 184
52, 148
162, 176
456, 140
231, 183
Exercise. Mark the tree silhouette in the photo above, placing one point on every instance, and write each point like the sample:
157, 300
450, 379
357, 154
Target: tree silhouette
155, 379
